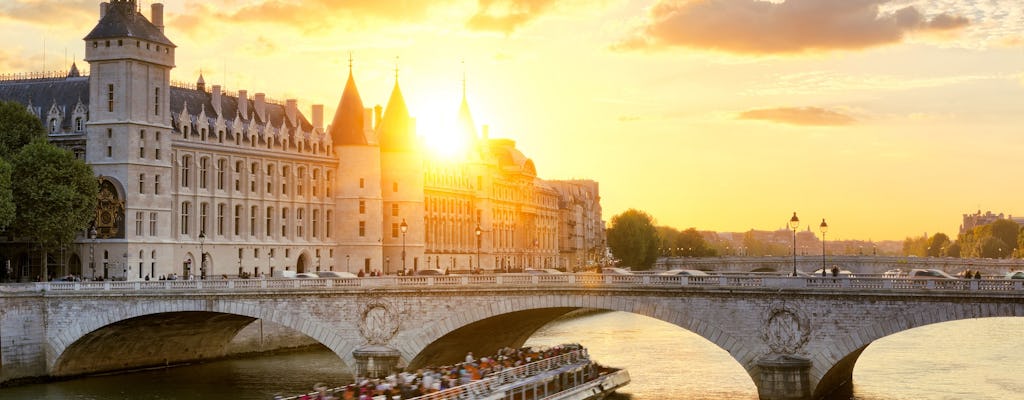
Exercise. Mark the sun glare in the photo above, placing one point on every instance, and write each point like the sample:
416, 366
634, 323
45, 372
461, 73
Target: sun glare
440, 133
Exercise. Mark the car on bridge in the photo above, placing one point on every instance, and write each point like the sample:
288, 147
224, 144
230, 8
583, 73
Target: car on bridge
615, 271
336, 274
429, 272
683, 272
542, 271
306, 275
1015, 275
929, 273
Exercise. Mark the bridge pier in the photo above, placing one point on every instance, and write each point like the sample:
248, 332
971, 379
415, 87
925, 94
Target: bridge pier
784, 378
375, 361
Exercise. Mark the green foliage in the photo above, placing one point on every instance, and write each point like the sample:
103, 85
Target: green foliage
7, 208
692, 244
54, 192
992, 247
953, 250
18, 127
633, 239
915, 246
937, 244
1006, 231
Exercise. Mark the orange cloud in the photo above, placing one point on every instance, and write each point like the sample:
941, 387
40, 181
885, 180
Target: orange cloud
506, 15
790, 27
309, 15
49, 12
803, 116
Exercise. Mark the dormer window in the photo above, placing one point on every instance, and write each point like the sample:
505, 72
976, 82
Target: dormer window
53, 125
78, 124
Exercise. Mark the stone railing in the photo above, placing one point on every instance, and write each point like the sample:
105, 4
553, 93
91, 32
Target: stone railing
526, 280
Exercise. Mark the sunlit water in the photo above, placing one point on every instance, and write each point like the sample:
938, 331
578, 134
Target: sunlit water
975, 360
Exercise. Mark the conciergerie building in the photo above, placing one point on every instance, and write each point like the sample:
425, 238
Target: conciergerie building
256, 187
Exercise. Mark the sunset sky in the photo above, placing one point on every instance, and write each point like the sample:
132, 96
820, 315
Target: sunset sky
888, 118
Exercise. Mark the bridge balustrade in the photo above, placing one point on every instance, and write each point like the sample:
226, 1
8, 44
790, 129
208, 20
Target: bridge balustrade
510, 280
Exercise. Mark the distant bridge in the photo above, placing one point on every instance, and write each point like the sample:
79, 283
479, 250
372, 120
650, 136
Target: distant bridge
797, 338
856, 264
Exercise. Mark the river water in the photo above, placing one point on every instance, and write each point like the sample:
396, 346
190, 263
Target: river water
974, 359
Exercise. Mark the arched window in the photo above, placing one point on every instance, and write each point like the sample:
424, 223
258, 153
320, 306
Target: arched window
270, 221
327, 222
252, 220
221, 166
316, 223
299, 216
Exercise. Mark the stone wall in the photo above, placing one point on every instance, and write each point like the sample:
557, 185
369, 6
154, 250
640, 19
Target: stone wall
265, 336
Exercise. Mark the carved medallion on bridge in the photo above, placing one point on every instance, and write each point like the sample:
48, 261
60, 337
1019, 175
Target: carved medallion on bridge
379, 320
785, 330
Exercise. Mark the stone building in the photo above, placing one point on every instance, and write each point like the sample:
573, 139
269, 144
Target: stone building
199, 181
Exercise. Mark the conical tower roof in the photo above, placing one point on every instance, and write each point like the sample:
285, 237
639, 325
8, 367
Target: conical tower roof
395, 133
347, 128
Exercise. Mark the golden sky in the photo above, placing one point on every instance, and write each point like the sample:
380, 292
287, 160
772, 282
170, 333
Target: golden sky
888, 118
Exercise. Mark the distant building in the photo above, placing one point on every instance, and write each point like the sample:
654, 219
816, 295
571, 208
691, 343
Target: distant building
201, 181
978, 219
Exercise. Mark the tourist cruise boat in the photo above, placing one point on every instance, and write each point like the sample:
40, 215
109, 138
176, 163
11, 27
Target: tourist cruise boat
568, 376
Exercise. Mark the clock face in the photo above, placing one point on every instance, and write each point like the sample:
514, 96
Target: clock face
106, 218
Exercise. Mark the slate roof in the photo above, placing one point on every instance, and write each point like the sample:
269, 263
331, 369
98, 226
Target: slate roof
67, 92
43, 93
348, 127
123, 20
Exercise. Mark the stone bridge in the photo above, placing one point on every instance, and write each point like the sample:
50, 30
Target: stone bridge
863, 265
797, 338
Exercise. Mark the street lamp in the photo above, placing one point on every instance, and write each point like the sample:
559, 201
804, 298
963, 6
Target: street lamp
478, 233
347, 265
793, 224
92, 252
202, 255
824, 229
405, 228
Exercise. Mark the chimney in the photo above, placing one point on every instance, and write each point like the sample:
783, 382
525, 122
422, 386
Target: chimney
291, 110
377, 111
157, 15
243, 104
215, 99
103, 9
260, 104
318, 117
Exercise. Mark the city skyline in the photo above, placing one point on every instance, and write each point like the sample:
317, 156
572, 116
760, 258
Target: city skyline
893, 126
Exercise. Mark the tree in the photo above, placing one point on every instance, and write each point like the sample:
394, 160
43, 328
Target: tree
1006, 231
936, 244
992, 247
953, 250
693, 244
633, 239
18, 127
916, 246
55, 194
667, 240
7, 208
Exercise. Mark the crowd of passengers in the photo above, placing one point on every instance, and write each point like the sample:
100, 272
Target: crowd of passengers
408, 385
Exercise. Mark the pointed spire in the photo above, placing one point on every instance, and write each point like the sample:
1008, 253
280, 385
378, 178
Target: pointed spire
348, 127
395, 127
201, 83
73, 73
466, 125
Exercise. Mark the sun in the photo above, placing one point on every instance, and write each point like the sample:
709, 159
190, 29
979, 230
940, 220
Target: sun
437, 127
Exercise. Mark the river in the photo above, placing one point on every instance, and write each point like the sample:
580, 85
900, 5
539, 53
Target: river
974, 359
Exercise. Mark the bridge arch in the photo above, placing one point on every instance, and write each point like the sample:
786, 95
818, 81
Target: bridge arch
221, 319
839, 360
510, 322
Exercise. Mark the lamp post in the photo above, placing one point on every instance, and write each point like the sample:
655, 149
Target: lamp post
478, 233
824, 229
347, 265
793, 224
92, 252
405, 228
202, 255
387, 264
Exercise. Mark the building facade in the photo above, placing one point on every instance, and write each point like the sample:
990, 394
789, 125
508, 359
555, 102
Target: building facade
196, 181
